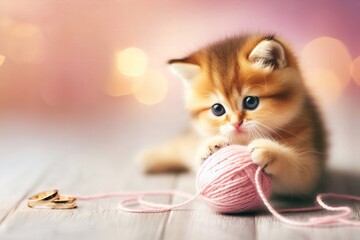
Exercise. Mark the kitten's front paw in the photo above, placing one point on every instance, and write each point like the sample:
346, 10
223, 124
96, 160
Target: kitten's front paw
264, 153
211, 146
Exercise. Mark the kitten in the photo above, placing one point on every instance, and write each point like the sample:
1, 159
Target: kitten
248, 90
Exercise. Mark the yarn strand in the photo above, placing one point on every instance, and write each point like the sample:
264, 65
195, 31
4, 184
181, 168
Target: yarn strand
229, 182
138, 198
341, 217
152, 207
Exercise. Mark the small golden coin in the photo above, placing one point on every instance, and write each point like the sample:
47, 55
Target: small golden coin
64, 199
63, 202
43, 198
67, 205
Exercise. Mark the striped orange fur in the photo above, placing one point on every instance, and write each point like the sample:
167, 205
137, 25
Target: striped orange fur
285, 130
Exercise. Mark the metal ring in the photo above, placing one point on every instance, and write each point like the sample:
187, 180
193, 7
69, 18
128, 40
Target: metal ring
63, 202
43, 198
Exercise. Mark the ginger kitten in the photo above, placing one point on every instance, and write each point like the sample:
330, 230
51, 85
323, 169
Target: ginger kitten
248, 90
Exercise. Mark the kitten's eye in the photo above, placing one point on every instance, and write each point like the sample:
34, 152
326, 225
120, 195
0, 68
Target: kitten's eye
250, 102
218, 109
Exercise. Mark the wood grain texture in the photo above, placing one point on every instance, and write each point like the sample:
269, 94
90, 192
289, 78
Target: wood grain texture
86, 168
197, 221
338, 182
85, 174
18, 176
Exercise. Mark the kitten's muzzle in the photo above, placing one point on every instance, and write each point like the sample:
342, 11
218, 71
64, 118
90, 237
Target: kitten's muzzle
237, 125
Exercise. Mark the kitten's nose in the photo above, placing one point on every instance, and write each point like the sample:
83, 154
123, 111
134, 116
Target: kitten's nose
237, 125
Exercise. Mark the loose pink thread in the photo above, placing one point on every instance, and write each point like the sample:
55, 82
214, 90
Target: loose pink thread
211, 182
137, 197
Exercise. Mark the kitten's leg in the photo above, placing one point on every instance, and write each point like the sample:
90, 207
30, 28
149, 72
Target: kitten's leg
292, 172
176, 155
209, 147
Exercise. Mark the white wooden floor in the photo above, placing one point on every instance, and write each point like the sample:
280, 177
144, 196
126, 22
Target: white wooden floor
35, 157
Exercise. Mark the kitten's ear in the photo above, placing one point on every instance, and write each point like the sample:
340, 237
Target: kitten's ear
185, 70
268, 54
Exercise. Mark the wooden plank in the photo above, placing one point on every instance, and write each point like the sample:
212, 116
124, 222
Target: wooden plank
267, 227
197, 221
90, 172
19, 171
94, 168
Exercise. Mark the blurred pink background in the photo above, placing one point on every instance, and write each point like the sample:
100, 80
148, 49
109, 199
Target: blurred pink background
94, 67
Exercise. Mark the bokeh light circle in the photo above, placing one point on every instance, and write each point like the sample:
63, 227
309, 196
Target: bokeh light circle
2, 59
355, 70
131, 62
325, 87
326, 58
126, 76
153, 88
6, 24
25, 43
118, 86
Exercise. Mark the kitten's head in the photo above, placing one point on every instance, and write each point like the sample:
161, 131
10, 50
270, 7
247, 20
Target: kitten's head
243, 87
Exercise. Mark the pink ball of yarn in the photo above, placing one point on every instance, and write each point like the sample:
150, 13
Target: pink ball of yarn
226, 181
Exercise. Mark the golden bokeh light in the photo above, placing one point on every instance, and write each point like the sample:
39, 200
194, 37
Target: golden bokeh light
25, 43
119, 84
6, 24
327, 66
325, 86
131, 62
355, 70
2, 59
153, 88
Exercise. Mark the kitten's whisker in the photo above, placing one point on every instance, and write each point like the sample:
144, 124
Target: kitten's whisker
285, 131
261, 133
251, 135
270, 129
256, 133
266, 132
306, 152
